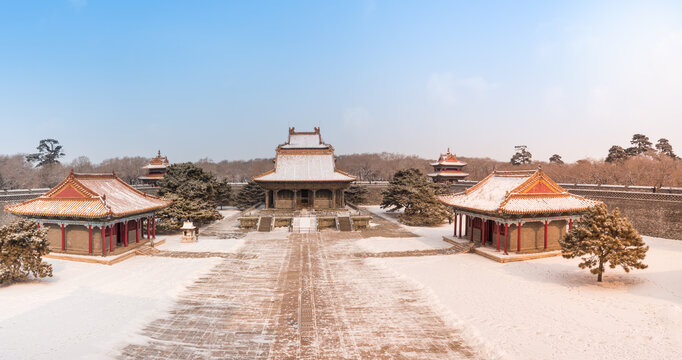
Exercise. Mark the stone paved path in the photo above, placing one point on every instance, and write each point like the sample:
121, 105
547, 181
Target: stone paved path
299, 296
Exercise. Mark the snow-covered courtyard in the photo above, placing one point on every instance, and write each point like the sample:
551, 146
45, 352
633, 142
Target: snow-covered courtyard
549, 308
86, 311
280, 295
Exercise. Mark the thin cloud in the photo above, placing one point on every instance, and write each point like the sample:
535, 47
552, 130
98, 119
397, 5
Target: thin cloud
78, 4
448, 90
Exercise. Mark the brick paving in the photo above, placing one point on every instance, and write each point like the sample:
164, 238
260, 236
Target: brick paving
299, 296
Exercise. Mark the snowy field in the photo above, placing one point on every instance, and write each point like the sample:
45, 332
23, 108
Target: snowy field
427, 232
387, 244
550, 309
204, 244
86, 310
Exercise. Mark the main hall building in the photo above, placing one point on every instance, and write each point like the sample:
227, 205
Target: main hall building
305, 175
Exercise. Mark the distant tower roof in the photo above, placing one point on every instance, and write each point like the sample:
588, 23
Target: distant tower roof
448, 159
157, 162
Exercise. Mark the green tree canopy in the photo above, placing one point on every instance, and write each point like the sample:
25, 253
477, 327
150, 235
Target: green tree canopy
522, 156
223, 193
193, 192
49, 152
417, 194
641, 145
616, 154
556, 159
22, 245
604, 237
356, 194
251, 194
663, 146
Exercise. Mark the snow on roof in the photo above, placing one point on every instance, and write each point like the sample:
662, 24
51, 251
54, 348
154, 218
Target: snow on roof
449, 174
449, 160
305, 167
451, 163
305, 141
546, 204
518, 192
155, 166
90, 196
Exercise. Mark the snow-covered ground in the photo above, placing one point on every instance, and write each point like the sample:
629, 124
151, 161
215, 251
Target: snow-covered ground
85, 310
429, 232
550, 309
427, 237
386, 244
204, 244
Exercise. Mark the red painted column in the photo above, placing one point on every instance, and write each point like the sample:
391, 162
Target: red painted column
455, 232
147, 222
38, 225
570, 224
506, 237
111, 238
518, 238
471, 232
137, 231
125, 233
482, 232
63, 238
497, 227
460, 225
153, 227
545, 234
89, 239
104, 241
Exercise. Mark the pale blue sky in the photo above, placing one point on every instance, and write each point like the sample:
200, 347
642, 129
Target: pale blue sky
224, 80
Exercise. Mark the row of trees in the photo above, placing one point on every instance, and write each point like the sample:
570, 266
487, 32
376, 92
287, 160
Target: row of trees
650, 170
17, 173
641, 146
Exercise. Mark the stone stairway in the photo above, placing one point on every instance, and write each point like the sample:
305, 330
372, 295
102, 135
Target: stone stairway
265, 224
344, 223
147, 250
459, 245
304, 224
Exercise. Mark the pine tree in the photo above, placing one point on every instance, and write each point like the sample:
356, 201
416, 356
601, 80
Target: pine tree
223, 193
356, 194
22, 245
641, 143
522, 156
251, 194
556, 159
49, 152
663, 146
423, 208
604, 237
401, 187
193, 192
411, 190
616, 154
